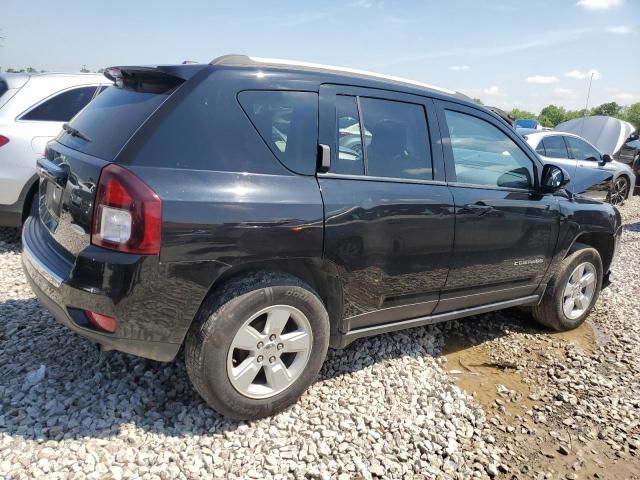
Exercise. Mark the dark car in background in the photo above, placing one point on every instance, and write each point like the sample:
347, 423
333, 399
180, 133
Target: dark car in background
214, 206
629, 154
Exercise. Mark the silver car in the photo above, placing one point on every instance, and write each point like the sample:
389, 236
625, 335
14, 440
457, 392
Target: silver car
33, 108
593, 174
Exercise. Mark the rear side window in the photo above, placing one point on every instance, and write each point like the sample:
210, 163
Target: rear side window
399, 145
555, 147
349, 158
3, 88
110, 120
288, 123
395, 137
61, 107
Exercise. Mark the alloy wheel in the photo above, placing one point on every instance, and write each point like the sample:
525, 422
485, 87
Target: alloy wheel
269, 352
578, 293
619, 191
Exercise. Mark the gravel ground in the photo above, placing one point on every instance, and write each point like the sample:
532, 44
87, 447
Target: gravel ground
493, 396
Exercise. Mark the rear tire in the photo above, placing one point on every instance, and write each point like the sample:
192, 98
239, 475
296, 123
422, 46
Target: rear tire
257, 345
573, 291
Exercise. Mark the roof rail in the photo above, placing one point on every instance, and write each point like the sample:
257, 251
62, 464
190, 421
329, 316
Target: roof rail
247, 60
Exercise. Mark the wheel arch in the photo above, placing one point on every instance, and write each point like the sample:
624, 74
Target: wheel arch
603, 242
319, 274
29, 191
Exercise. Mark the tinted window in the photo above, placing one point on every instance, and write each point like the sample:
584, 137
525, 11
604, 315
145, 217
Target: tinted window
555, 147
3, 87
110, 120
288, 123
581, 150
540, 149
484, 155
399, 143
63, 106
349, 141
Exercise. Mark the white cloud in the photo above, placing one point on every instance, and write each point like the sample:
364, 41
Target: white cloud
620, 29
460, 68
582, 75
549, 39
300, 19
623, 96
361, 3
396, 20
542, 79
616, 94
562, 92
493, 91
598, 4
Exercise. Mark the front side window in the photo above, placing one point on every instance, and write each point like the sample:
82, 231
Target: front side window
484, 155
555, 147
581, 150
63, 106
288, 123
397, 140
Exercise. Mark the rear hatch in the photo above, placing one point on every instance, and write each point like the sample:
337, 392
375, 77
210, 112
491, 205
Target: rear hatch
10, 83
70, 172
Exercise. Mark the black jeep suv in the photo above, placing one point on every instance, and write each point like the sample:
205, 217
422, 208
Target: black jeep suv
260, 211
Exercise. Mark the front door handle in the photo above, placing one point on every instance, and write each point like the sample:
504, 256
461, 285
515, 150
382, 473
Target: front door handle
478, 209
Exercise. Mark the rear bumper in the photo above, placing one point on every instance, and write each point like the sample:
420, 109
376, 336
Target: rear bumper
147, 330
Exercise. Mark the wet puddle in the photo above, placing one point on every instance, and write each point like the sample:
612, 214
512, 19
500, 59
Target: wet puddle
586, 337
487, 379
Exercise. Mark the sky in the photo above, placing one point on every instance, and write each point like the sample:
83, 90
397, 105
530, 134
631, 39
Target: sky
511, 54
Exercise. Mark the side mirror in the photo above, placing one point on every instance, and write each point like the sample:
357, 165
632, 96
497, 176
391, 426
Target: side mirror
606, 158
554, 178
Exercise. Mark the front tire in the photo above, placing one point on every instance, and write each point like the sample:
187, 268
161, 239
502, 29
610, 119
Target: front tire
619, 191
572, 293
257, 345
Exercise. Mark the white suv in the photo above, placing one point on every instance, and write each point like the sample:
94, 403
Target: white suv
33, 109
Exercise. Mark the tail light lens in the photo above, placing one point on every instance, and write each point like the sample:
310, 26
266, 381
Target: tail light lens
127, 213
3, 140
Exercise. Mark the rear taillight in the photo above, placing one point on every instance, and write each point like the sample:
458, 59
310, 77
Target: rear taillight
127, 213
3, 140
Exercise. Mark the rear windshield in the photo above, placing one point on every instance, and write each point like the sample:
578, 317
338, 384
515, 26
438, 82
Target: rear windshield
110, 120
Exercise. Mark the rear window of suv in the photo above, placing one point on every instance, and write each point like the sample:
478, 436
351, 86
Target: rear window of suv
110, 120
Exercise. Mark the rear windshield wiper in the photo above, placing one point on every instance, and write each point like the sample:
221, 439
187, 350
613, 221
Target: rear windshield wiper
75, 132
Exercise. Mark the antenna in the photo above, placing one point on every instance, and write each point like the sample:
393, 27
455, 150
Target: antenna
586, 107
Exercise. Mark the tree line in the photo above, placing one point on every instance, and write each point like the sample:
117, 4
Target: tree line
552, 115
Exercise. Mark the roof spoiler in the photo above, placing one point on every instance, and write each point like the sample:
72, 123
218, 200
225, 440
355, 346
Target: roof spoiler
151, 79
